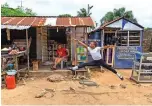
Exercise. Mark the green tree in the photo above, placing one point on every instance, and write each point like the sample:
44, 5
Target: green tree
65, 15
29, 12
85, 12
5, 5
19, 11
116, 13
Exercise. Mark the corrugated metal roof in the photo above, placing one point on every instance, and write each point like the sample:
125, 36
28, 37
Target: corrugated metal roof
50, 22
108, 24
42, 21
23, 21
75, 21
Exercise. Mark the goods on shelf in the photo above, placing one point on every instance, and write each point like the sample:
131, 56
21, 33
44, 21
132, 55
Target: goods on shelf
142, 69
81, 54
52, 48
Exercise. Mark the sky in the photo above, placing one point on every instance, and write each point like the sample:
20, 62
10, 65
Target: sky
142, 9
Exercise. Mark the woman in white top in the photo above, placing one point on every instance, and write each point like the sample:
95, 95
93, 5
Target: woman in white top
97, 59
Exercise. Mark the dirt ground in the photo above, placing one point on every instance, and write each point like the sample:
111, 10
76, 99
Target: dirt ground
109, 92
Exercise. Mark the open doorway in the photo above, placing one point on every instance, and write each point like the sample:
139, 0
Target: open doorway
108, 53
56, 36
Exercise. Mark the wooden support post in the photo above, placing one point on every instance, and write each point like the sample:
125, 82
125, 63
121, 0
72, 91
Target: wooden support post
102, 42
8, 34
113, 55
16, 62
113, 50
107, 55
86, 43
128, 39
28, 62
75, 47
71, 34
41, 43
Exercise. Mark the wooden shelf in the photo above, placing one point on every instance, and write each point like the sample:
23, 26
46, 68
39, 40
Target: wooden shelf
124, 44
81, 61
134, 40
134, 36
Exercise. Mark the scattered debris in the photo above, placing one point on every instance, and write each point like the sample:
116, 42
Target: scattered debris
81, 87
24, 83
55, 78
139, 85
149, 100
112, 87
83, 78
69, 89
26, 76
123, 86
88, 83
148, 95
50, 90
41, 94
146, 85
72, 89
3, 86
32, 79
75, 77
21, 81
74, 95
90, 93
52, 95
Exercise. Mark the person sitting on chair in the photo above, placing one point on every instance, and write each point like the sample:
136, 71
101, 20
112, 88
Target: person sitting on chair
62, 54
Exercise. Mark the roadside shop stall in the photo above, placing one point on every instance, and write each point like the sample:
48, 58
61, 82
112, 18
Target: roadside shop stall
124, 38
44, 33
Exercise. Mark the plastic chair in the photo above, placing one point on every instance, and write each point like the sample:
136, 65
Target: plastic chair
63, 62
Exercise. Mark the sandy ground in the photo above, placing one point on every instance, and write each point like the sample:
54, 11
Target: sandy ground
109, 92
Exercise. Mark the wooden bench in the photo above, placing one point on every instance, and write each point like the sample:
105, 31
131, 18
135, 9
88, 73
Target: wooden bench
88, 68
83, 71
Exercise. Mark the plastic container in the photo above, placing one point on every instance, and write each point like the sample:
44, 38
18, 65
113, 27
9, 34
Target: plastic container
11, 72
83, 57
10, 66
79, 57
10, 82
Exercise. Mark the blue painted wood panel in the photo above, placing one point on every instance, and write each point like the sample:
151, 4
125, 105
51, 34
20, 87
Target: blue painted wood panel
121, 61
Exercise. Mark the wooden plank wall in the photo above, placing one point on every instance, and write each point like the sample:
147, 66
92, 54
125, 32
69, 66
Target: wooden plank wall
44, 44
79, 33
38, 42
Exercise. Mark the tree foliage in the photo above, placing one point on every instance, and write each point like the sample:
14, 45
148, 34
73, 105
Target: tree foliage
19, 11
116, 13
65, 15
84, 12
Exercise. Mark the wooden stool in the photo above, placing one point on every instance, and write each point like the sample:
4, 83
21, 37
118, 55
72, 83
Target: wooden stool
35, 65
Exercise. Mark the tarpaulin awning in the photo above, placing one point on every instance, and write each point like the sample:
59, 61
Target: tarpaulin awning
14, 27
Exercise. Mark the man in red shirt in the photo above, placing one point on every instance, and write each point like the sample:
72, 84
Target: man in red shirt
62, 54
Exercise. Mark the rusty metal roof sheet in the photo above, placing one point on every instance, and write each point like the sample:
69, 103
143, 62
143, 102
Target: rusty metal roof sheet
23, 21
42, 21
75, 21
